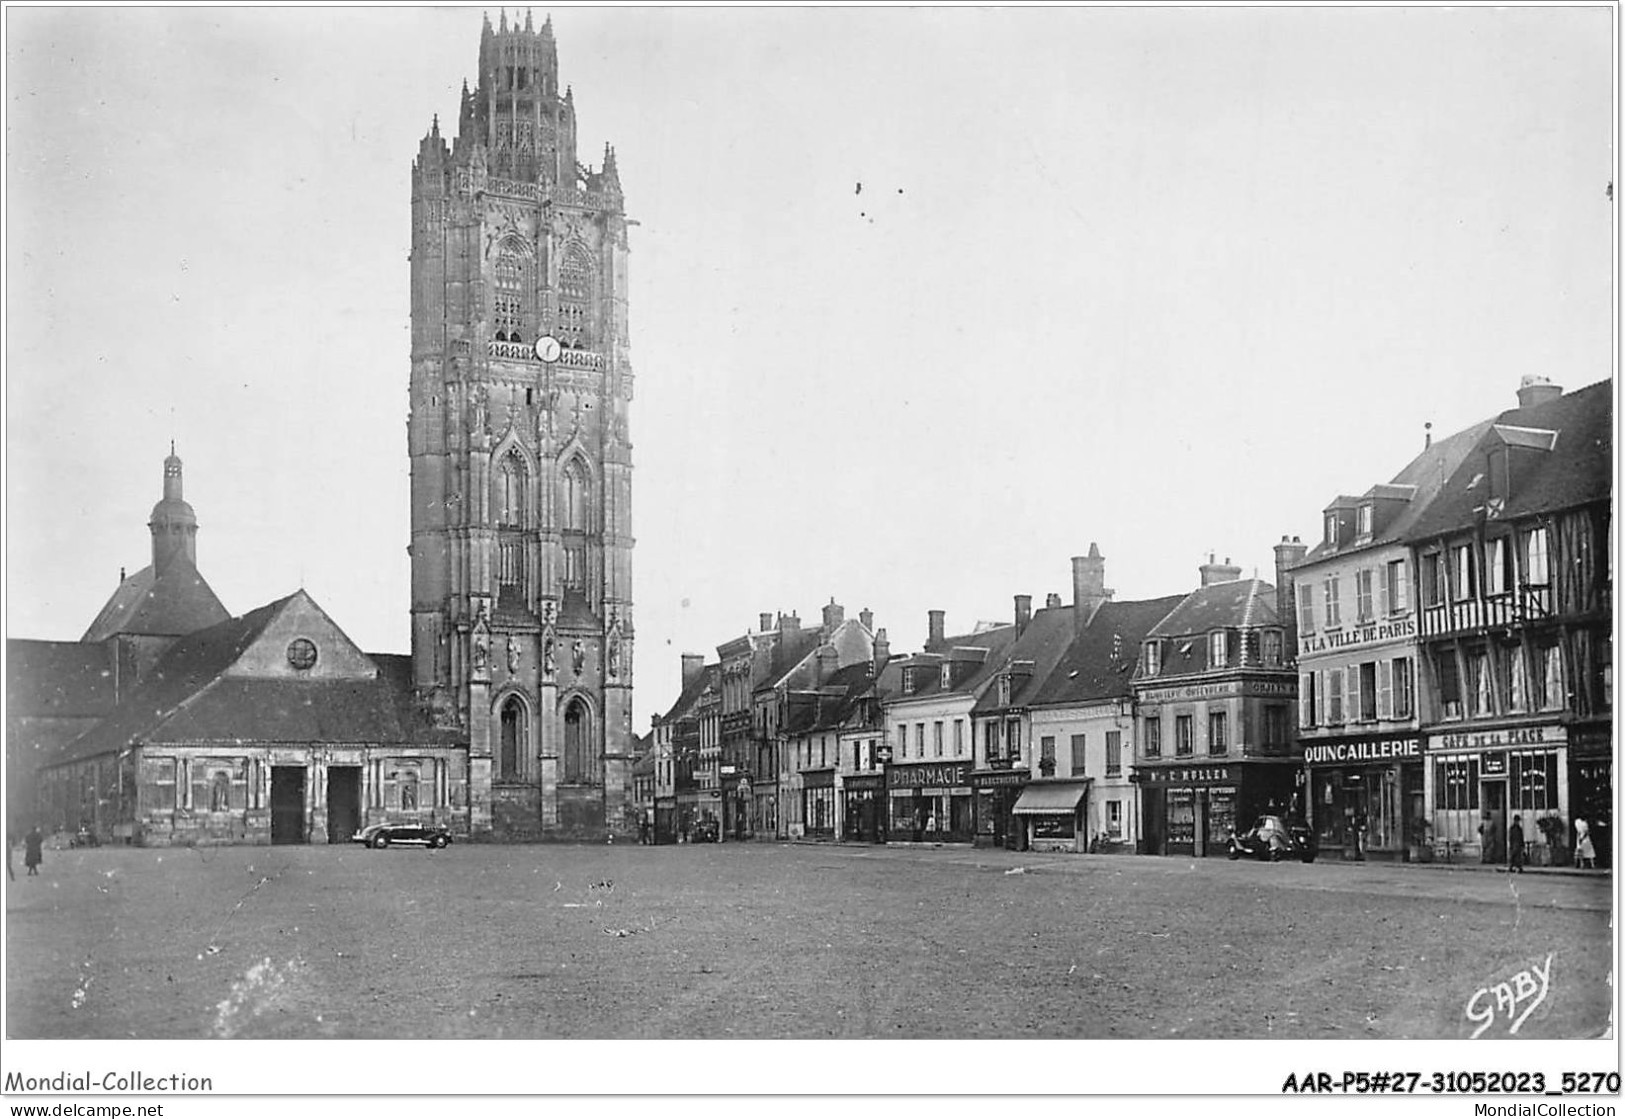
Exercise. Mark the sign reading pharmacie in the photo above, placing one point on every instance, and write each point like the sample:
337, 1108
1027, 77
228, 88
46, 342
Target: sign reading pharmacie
1368, 634
928, 775
1362, 750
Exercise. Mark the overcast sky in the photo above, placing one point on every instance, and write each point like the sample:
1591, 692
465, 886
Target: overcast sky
1165, 280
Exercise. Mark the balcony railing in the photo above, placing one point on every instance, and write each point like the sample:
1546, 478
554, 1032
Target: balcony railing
525, 351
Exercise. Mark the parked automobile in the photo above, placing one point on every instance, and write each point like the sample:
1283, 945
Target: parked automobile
707, 831
418, 835
84, 837
1274, 839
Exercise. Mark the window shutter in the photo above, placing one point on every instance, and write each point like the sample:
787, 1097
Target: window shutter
1385, 689
1320, 698
1354, 709
1306, 699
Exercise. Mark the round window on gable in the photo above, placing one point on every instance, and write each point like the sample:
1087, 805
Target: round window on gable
302, 653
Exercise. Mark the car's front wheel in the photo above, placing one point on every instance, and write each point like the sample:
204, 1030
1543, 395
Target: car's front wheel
1235, 852
380, 841
1308, 856
439, 841
1275, 854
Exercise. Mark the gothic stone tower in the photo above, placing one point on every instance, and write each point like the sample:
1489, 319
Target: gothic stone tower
521, 458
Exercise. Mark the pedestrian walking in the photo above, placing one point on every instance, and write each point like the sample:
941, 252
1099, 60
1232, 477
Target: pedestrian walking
1585, 854
1515, 844
33, 855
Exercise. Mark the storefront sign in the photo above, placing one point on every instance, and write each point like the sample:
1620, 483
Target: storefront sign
1356, 635
929, 773
1219, 691
1001, 778
1494, 739
1494, 764
1191, 775
1367, 750
818, 779
858, 781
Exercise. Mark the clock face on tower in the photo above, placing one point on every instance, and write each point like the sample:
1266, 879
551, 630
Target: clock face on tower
547, 348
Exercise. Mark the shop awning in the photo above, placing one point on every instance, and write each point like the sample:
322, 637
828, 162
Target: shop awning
1045, 799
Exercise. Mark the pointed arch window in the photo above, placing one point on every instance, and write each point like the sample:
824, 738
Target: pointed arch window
577, 487
510, 491
512, 733
576, 277
577, 760
508, 275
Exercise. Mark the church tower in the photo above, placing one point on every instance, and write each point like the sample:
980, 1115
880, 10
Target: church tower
520, 451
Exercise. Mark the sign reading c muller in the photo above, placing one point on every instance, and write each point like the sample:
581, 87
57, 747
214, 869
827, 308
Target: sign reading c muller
1365, 750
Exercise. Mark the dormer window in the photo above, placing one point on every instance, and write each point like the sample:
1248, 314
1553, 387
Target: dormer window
1364, 529
1272, 647
1153, 658
1216, 653
908, 681
1004, 690
947, 677
1331, 530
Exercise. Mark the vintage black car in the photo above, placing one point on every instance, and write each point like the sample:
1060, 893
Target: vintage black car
415, 835
707, 831
84, 837
1274, 839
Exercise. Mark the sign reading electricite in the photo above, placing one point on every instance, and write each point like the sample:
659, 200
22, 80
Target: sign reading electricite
1369, 750
929, 774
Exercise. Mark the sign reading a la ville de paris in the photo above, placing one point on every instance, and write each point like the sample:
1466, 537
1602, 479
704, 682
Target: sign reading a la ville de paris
1357, 635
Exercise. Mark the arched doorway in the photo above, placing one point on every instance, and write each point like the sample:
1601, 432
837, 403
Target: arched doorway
577, 743
513, 720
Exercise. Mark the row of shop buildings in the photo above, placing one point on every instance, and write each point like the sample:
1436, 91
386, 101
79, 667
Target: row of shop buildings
1438, 662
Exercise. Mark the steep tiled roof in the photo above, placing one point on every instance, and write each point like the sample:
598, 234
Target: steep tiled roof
690, 696
1099, 663
169, 603
1043, 642
1577, 470
1243, 602
992, 646
188, 697
58, 679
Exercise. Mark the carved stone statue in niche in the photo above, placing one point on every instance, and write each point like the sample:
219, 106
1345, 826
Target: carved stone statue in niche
481, 654
548, 665
578, 657
481, 651
476, 411
615, 656
515, 652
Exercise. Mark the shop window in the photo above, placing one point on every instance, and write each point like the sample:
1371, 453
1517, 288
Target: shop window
1537, 563
1046, 756
1455, 784
1114, 819
1533, 783
1306, 608
1114, 753
1218, 732
1153, 736
1461, 571
1183, 744
1366, 709
1363, 596
1306, 699
1078, 751
1334, 610
1398, 588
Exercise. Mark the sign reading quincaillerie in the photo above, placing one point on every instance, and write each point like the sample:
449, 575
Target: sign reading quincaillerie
1377, 750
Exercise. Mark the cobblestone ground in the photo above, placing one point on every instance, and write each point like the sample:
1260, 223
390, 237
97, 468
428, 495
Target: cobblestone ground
782, 941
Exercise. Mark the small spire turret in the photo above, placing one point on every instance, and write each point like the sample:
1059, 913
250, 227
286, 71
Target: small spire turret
527, 22
502, 27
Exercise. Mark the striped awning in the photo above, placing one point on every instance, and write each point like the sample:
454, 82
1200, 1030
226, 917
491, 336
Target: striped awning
1048, 798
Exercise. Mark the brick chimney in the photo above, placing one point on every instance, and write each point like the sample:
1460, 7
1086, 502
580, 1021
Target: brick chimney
825, 664
1088, 585
1024, 612
789, 624
866, 619
764, 622
1213, 572
882, 650
935, 621
1288, 554
833, 617
693, 665
1052, 602
1534, 390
